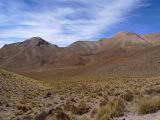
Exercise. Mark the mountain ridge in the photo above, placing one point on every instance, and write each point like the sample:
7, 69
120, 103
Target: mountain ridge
37, 54
119, 34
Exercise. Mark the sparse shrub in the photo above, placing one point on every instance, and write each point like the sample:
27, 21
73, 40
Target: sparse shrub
7, 105
60, 115
23, 108
55, 102
100, 94
93, 95
128, 96
93, 112
48, 95
148, 105
103, 114
51, 117
61, 98
114, 108
82, 108
153, 91
73, 100
27, 117
103, 102
57, 114
17, 113
70, 107
41, 116
73, 117
116, 93
84, 118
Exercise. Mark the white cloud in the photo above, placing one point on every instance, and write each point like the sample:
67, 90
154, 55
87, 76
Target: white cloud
64, 24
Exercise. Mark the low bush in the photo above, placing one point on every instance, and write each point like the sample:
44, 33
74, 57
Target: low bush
114, 108
148, 105
81, 109
103, 114
84, 118
128, 96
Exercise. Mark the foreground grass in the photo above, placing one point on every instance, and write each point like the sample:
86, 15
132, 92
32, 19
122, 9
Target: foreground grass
107, 96
114, 108
88, 97
149, 105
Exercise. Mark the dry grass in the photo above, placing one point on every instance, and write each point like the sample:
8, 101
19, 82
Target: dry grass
84, 118
114, 108
102, 91
149, 105
98, 97
20, 97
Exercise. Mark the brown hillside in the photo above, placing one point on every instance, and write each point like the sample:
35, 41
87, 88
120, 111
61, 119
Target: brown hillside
153, 38
27, 55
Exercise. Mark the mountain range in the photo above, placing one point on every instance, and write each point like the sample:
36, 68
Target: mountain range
122, 53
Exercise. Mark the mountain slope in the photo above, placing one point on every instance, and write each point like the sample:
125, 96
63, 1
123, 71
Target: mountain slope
83, 47
153, 38
19, 96
119, 62
124, 40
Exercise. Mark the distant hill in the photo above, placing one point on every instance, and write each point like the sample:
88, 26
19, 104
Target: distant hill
30, 54
84, 47
124, 40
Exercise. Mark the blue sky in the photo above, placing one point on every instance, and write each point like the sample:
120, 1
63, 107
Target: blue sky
63, 22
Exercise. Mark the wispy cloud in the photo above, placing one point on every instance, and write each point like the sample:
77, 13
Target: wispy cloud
61, 21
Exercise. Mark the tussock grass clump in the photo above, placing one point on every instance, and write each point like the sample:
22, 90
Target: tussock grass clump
57, 114
128, 96
114, 108
84, 118
23, 108
153, 91
149, 105
73, 117
103, 114
81, 109
51, 117
43, 116
93, 113
103, 101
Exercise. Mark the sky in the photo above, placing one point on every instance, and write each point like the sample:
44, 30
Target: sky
63, 22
